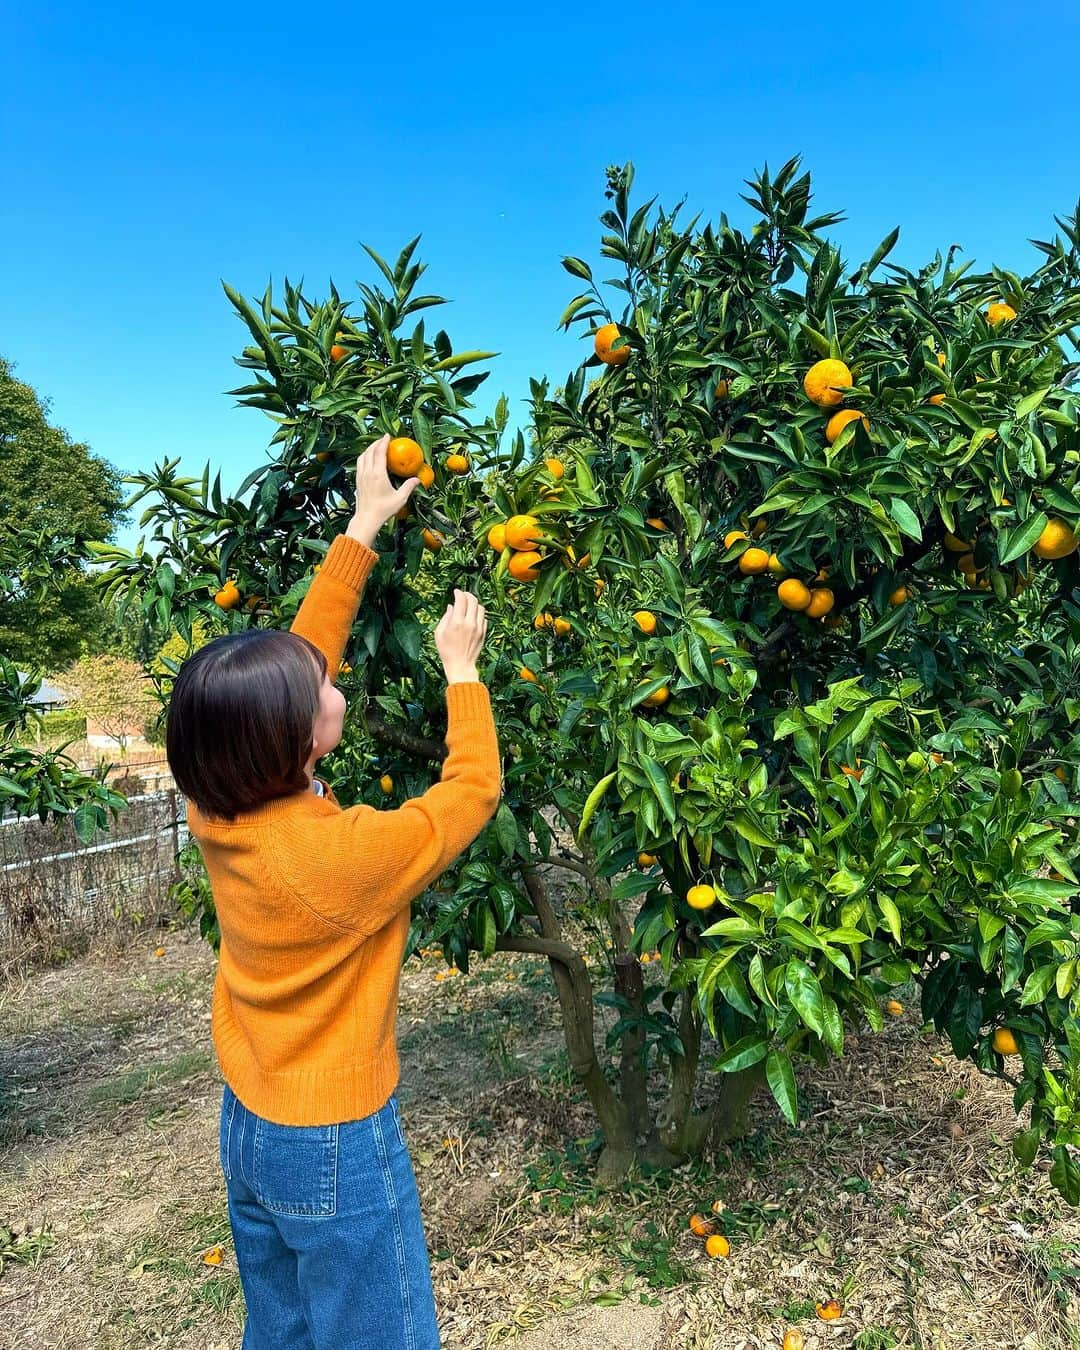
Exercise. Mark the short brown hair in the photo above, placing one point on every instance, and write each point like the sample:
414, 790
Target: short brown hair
240, 720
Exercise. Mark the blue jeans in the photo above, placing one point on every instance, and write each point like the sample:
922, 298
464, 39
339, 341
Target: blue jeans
329, 1240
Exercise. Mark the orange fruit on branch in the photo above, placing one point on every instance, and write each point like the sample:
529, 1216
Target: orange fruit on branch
899, 596
723, 388
433, 540
821, 601
337, 352
825, 382
525, 565
645, 620
228, 597
701, 897
562, 627
733, 537
496, 536
404, 456
999, 312
957, 545
936, 399
603, 342
838, 421
544, 620
526, 674
657, 698
457, 463
522, 532
1056, 541
793, 594
655, 522
1004, 1042
426, 474
776, 567
753, 561
646, 859
555, 467
386, 783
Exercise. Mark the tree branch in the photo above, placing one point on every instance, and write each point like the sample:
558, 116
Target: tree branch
399, 739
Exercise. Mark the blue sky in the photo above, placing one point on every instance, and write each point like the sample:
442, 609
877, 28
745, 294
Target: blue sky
149, 153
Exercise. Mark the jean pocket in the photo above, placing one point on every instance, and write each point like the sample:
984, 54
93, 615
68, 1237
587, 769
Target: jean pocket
295, 1168
396, 1112
228, 1109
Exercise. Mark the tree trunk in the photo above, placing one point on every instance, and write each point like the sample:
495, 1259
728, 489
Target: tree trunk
574, 988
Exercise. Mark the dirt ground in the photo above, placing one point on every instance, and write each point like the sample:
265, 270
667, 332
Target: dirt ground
896, 1195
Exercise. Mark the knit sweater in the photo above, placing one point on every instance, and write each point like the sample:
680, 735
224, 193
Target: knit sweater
313, 901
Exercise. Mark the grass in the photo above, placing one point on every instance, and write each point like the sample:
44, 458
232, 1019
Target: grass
129, 1087
926, 1239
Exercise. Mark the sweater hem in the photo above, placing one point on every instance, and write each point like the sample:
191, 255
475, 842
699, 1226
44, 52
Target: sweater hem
322, 1096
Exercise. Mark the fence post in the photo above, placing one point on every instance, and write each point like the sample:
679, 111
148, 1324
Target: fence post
174, 817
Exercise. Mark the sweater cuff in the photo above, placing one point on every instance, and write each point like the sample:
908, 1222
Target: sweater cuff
348, 560
466, 700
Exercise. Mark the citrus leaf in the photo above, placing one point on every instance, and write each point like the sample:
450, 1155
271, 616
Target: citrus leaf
804, 991
593, 801
781, 1080
742, 1054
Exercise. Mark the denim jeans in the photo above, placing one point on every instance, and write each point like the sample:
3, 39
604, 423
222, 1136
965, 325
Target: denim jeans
328, 1235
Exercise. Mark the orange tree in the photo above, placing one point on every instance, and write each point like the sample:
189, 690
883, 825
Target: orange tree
785, 653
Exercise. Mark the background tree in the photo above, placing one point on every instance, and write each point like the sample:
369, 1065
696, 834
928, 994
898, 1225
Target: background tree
113, 692
44, 783
48, 482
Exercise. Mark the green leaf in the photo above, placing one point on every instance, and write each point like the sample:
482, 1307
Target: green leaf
891, 915
1065, 1174
1020, 540
463, 359
781, 1080
593, 801
804, 991
742, 1054
1031, 401
658, 781
742, 823
577, 268
833, 1032
506, 829
905, 517
1025, 1146
1038, 983
965, 1021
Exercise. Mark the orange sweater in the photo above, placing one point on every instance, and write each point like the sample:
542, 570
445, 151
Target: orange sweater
313, 901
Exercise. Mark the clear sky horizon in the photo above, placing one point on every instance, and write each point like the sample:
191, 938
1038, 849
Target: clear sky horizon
149, 155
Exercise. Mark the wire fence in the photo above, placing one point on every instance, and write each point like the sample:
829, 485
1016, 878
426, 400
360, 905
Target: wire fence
57, 893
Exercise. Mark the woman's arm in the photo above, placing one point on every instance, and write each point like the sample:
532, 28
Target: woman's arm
376, 497
328, 610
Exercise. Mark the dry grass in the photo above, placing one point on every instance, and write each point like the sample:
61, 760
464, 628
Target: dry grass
897, 1194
